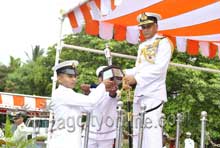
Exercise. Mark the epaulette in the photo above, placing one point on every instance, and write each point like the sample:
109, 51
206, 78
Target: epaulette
149, 51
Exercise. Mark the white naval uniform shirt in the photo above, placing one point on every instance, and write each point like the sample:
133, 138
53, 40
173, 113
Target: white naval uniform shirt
151, 77
103, 119
19, 134
189, 143
68, 106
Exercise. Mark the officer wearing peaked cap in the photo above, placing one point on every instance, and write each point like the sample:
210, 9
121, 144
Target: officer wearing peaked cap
148, 18
21, 132
68, 106
103, 118
70, 65
149, 75
99, 71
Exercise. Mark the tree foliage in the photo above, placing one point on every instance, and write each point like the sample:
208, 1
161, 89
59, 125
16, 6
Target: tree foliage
14, 64
3, 74
36, 53
32, 77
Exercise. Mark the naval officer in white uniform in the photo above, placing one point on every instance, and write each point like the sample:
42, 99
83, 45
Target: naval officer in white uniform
103, 119
68, 106
149, 75
21, 133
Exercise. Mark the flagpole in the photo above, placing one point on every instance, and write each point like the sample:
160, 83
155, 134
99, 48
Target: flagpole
54, 78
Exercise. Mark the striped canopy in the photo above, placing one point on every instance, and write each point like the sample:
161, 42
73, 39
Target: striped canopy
193, 26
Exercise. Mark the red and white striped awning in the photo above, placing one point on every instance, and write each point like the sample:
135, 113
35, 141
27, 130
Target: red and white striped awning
23, 102
193, 26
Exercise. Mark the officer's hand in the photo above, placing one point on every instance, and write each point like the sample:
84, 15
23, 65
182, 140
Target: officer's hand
85, 88
129, 80
126, 87
109, 85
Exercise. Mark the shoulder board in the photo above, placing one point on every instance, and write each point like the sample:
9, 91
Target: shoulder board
159, 38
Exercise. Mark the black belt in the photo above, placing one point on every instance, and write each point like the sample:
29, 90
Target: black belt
152, 109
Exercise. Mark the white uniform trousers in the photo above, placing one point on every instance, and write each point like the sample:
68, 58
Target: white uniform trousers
64, 139
100, 143
152, 135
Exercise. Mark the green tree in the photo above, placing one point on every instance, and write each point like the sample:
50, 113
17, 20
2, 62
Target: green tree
191, 92
3, 74
36, 53
31, 78
14, 63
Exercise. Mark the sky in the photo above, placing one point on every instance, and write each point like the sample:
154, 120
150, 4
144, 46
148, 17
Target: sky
26, 23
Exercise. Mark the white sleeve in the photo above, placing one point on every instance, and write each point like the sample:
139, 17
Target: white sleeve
77, 99
19, 134
132, 71
106, 97
152, 72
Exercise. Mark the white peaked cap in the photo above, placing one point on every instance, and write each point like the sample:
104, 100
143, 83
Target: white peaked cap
99, 69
